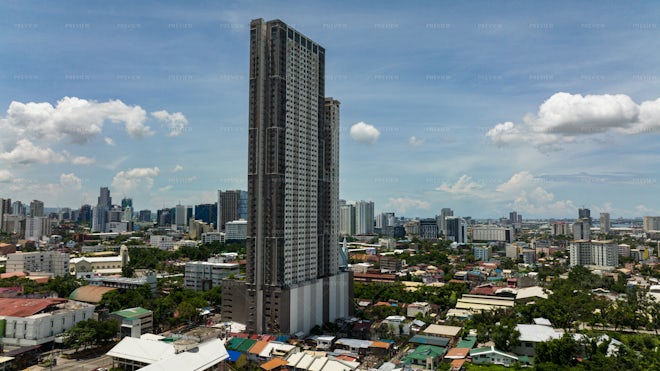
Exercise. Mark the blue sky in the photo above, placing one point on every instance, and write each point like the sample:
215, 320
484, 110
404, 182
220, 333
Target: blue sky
481, 106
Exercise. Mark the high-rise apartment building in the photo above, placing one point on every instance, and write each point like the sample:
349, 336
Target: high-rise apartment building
596, 253
585, 213
347, 220
292, 273
364, 217
582, 230
651, 223
36, 208
605, 223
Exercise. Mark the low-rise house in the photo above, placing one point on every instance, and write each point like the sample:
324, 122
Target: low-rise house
134, 322
530, 335
416, 308
490, 355
426, 356
453, 333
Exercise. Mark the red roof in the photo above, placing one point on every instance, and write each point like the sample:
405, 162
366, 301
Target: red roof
26, 307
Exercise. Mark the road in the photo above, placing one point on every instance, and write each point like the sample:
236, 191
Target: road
64, 364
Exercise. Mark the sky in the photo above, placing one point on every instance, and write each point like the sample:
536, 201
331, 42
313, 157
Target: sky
484, 107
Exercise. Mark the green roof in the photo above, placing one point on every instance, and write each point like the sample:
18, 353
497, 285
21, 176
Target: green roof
234, 343
467, 342
246, 345
132, 312
424, 351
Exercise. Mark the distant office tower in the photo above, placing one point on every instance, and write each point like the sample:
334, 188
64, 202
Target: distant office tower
347, 220
456, 229
385, 220
36, 208
364, 217
127, 215
182, 214
292, 271
228, 207
164, 217
597, 253
5, 209
100, 213
605, 223
585, 214
242, 205
582, 230
442, 219
208, 213
104, 198
483, 253
115, 214
428, 229
651, 223
85, 215
126, 202
513, 217
144, 215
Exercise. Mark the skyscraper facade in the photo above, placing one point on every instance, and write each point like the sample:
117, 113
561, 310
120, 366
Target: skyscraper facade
364, 217
605, 223
292, 273
230, 204
36, 208
442, 219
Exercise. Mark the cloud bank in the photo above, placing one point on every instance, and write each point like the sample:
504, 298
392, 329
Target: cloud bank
565, 118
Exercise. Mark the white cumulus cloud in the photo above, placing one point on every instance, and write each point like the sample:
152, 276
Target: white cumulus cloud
177, 168
109, 141
131, 179
403, 204
70, 181
463, 186
565, 117
25, 152
176, 122
364, 133
72, 119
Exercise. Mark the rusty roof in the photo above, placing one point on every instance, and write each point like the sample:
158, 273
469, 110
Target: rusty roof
13, 307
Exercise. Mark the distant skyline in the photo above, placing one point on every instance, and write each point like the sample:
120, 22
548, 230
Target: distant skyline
483, 107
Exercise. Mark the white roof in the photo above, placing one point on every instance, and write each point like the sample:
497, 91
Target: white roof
145, 351
443, 330
354, 343
97, 259
542, 321
275, 346
162, 356
537, 333
531, 292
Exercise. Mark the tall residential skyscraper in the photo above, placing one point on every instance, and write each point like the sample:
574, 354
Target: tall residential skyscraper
347, 220
36, 208
292, 272
5, 209
605, 223
364, 217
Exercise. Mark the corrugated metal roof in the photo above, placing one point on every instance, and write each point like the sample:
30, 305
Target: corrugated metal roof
90, 293
12, 307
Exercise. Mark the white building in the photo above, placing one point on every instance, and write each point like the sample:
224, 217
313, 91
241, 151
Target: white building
151, 355
582, 230
605, 223
651, 223
236, 230
51, 262
364, 217
347, 220
36, 228
492, 233
162, 242
596, 253
30, 322
203, 276
210, 237
483, 253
